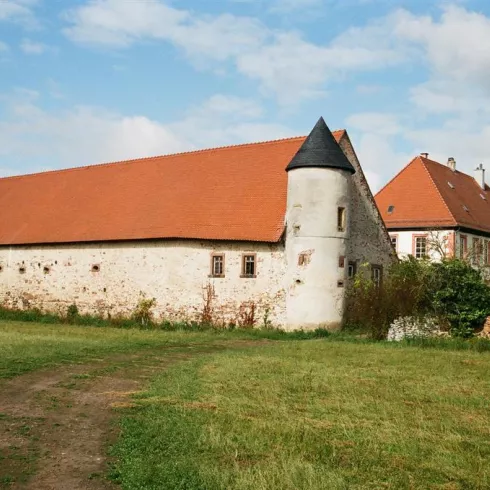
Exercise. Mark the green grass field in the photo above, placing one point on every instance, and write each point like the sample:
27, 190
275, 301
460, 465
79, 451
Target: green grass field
312, 414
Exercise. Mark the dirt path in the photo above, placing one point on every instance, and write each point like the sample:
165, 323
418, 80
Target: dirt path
56, 425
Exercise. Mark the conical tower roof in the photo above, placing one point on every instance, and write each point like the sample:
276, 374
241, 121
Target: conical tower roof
320, 150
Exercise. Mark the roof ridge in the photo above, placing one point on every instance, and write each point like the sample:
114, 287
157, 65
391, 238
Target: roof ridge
167, 155
436, 187
132, 160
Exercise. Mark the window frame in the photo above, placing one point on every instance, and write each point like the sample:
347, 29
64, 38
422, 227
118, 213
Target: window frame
463, 246
395, 236
379, 281
414, 246
212, 261
244, 275
341, 219
477, 250
352, 265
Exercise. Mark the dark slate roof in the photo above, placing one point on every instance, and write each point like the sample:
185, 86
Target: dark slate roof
320, 150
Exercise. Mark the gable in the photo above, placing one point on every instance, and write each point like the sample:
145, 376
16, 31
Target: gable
415, 198
231, 193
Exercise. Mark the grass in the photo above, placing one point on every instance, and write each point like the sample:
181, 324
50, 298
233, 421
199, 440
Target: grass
29, 346
312, 415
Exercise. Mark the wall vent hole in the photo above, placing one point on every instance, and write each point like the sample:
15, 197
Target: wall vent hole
105, 290
340, 284
298, 281
56, 262
96, 268
1, 268
22, 270
46, 269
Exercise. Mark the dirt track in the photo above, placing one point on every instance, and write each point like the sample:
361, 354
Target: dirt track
56, 425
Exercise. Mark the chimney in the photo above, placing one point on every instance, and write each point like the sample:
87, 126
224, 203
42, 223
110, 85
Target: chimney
480, 176
425, 155
451, 163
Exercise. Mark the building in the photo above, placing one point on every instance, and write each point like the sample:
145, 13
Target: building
434, 210
251, 232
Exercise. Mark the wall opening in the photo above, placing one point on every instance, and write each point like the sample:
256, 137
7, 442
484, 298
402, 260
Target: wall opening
46, 269
22, 269
95, 268
341, 219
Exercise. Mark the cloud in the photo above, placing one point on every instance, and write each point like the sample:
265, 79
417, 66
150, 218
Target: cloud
283, 62
19, 11
30, 47
4, 47
33, 139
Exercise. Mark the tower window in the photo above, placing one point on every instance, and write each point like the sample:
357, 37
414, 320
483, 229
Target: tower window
463, 246
218, 265
394, 241
341, 219
249, 268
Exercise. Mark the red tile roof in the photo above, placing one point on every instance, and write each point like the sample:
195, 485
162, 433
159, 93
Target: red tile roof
427, 194
230, 193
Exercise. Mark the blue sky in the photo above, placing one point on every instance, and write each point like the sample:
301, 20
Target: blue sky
87, 81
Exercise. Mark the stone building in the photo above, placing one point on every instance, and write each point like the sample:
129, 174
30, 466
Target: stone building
264, 231
434, 210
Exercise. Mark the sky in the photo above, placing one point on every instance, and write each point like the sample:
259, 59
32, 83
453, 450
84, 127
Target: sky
90, 81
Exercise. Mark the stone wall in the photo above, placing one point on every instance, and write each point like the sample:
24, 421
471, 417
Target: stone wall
109, 278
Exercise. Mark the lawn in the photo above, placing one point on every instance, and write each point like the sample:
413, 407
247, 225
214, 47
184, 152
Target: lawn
315, 414
28, 346
309, 414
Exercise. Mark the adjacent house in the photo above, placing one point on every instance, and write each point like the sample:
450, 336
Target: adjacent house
434, 210
259, 231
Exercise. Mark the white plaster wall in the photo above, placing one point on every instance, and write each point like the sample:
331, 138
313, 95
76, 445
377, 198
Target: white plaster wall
443, 237
174, 272
314, 298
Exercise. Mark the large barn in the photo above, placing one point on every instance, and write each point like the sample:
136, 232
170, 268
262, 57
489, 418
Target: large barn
271, 230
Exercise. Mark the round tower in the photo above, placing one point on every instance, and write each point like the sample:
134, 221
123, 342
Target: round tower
317, 230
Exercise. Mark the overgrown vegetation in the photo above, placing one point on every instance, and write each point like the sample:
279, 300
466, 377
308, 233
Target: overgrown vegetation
451, 291
311, 415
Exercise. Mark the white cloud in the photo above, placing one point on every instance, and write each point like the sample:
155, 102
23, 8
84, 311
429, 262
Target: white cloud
20, 11
3, 47
31, 47
282, 62
33, 139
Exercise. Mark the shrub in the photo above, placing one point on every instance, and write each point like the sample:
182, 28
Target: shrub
451, 291
142, 313
72, 313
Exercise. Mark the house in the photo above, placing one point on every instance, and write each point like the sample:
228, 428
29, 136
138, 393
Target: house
434, 210
268, 230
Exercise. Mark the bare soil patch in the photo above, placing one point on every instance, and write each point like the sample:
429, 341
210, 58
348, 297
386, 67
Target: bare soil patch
56, 425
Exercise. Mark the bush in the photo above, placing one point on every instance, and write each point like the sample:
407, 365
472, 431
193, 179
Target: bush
142, 313
451, 291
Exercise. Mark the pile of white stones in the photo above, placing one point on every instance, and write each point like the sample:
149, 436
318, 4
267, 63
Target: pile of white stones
411, 327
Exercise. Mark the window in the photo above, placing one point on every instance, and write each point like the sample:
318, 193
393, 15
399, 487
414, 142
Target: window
486, 252
463, 246
352, 269
218, 265
420, 247
341, 261
249, 266
341, 214
377, 274
391, 208
477, 251
394, 241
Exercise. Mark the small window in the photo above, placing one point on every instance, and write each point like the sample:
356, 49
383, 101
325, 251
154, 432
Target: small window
463, 246
466, 209
394, 241
218, 265
341, 215
450, 185
249, 268
352, 270
420, 247
391, 209
341, 262
96, 268
483, 197
377, 274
